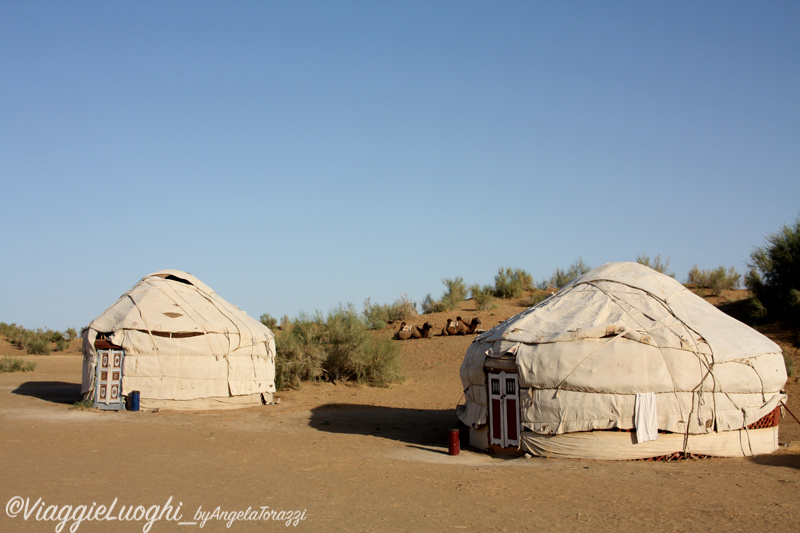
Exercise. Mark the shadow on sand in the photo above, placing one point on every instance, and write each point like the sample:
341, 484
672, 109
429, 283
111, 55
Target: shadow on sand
790, 460
416, 427
51, 391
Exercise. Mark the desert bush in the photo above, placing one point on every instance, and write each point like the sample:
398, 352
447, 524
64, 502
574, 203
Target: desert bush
511, 283
429, 305
378, 315
378, 363
71, 333
344, 333
656, 264
774, 275
300, 352
62, 344
455, 293
338, 347
269, 321
402, 309
535, 298
483, 297
562, 277
16, 364
32, 341
375, 315
717, 280
37, 342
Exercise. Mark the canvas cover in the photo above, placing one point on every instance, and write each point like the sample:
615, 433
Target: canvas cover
622, 330
184, 345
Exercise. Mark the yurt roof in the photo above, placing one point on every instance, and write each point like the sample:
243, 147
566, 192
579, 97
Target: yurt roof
633, 298
175, 302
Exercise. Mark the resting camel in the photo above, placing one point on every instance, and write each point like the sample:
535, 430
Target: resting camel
412, 331
462, 328
451, 327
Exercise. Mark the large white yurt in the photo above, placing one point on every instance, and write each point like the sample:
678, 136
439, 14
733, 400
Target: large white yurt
175, 342
623, 363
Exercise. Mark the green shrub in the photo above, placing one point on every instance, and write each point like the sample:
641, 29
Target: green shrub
510, 283
455, 293
300, 352
83, 404
774, 275
269, 321
378, 363
429, 305
71, 333
562, 277
62, 344
483, 297
37, 343
717, 280
16, 364
377, 315
535, 298
339, 347
402, 309
32, 341
656, 264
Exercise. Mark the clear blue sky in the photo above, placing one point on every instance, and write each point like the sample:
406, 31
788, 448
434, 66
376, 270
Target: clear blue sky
299, 155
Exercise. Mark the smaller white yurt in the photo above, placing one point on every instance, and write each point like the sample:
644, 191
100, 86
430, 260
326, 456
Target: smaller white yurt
179, 345
623, 363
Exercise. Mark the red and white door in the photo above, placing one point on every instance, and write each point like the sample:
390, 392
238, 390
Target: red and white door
504, 424
108, 387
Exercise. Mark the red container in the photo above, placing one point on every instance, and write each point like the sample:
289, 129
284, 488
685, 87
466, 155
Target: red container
455, 444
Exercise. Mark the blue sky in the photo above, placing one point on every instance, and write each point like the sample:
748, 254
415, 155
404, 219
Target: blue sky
299, 155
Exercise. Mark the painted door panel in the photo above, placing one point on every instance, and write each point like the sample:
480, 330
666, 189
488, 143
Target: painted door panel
504, 409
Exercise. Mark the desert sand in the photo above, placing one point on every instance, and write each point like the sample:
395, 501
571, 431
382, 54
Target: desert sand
343, 457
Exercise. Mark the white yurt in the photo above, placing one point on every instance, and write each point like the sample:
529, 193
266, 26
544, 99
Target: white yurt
178, 345
623, 363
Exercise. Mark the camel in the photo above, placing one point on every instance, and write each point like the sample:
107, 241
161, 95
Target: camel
462, 328
412, 331
426, 330
451, 328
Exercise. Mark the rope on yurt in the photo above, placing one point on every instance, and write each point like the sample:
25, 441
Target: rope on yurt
697, 391
615, 337
618, 301
791, 413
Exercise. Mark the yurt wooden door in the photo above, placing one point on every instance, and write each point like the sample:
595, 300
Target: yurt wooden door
108, 385
504, 409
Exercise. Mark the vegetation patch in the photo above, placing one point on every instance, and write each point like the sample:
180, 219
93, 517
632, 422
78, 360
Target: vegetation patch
377, 316
561, 277
15, 364
512, 283
657, 264
338, 347
717, 280
38, 341
774, 275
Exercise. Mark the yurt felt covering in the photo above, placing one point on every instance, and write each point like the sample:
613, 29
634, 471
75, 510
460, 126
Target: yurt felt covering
622, 330
184, 345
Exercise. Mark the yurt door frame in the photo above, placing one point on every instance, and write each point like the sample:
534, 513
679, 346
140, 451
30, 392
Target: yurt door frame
108, 382
504, 427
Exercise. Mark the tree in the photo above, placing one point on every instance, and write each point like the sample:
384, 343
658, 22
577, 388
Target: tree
774, 275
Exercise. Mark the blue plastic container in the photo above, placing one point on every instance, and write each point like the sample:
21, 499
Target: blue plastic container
133, 400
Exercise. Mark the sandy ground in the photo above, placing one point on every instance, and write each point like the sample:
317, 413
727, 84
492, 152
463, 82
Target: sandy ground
353, 459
